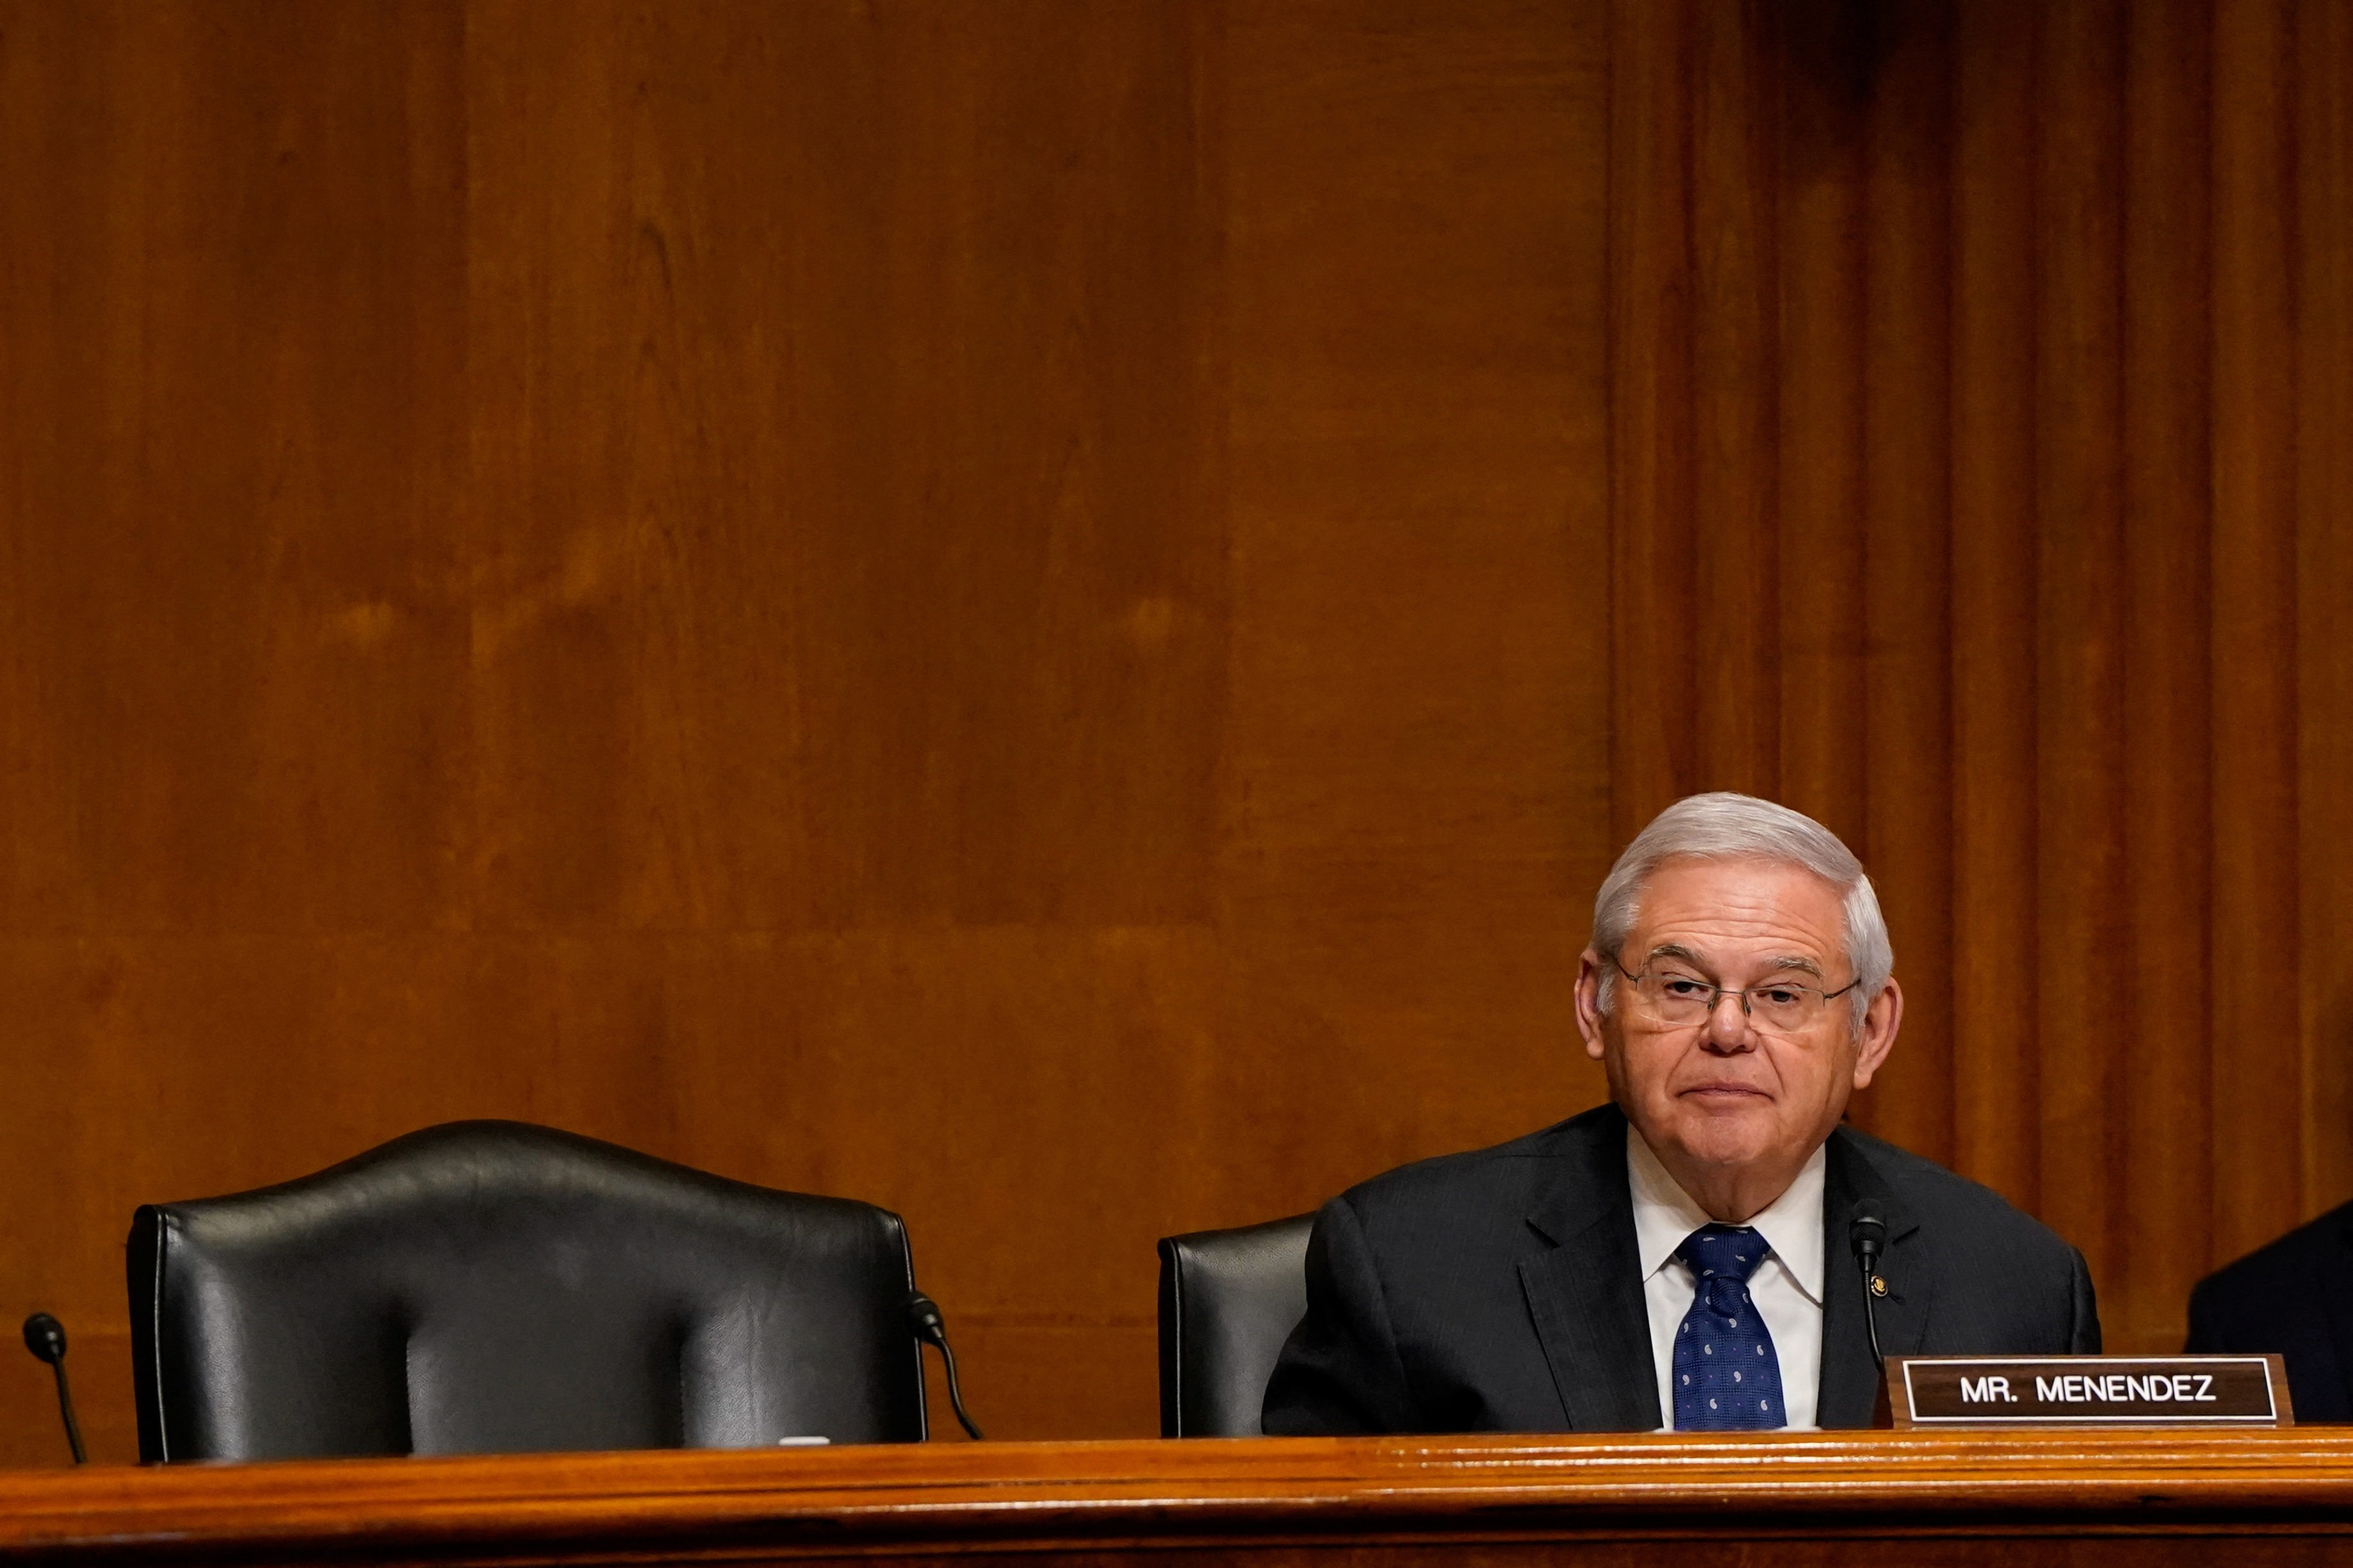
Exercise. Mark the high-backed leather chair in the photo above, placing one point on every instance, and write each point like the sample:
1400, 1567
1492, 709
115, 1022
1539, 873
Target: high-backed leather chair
487, 1286
1227, 1300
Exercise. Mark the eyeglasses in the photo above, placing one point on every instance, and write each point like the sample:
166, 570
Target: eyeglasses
1780, 1005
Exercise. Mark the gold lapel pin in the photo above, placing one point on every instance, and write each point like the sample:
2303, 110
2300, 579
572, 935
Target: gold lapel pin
1878, 1286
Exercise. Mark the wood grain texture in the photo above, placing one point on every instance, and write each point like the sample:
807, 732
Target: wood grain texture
1997, 1072
1653, 675
2059, 291
2322, 269
1816, 52
2078, 499
1046, 613
2162, 1160
1905, 718
2055, 1495
964, 605
1734, 714
2256, 720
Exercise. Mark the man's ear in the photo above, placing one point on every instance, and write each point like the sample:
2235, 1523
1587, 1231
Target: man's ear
1589, 1000
1877, 1036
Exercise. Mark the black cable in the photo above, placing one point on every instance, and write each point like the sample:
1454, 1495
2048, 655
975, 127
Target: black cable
931, 1328
955, 1394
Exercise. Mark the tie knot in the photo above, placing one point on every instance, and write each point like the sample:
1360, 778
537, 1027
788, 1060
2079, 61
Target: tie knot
1722, 1252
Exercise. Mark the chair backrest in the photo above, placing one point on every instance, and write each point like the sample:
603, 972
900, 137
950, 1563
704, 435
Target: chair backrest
490, 1287
1227, 1300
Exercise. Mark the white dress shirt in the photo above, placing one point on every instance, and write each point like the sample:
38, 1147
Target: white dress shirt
1787, 1287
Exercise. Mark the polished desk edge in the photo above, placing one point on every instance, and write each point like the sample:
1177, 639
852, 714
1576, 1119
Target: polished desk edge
1058, 1496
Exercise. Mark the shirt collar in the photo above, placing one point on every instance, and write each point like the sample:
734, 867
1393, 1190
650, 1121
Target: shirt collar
1665, 1215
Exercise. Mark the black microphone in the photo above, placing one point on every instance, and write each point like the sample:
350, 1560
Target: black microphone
931, 1327
1866, 1232
45, 1338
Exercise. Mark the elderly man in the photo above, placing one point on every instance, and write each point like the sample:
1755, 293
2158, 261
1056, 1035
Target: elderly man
1680, 1257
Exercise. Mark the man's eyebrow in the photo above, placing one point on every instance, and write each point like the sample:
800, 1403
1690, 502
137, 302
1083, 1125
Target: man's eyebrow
1787, 961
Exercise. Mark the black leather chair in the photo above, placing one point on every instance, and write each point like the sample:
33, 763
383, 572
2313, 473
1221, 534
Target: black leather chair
490, 1287
1227, 1300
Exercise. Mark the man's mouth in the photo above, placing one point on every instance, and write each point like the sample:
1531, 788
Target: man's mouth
1724, 1091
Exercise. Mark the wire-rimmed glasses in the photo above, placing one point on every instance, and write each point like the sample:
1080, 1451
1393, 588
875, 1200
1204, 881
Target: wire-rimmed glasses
1681, 1000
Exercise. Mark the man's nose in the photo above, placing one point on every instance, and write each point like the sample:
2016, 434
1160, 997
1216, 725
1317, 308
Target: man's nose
1728, 1026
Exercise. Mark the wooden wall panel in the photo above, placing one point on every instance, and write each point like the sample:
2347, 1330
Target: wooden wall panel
2160, 1173
1733, 717
1047, 612
1417, 772
1905, 534
1996, 1083
2076, 395
1650, 459
2059, 297
1812, 57
2255, 614
965, 605
2322, 269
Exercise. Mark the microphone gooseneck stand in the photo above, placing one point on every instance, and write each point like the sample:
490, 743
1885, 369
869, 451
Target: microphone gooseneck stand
1866, 1232
45, 1338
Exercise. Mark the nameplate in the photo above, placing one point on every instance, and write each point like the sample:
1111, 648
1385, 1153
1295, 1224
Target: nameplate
2089, 1390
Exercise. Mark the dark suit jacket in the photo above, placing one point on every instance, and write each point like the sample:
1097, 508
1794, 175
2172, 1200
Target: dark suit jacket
1500, 1290
2295, 1298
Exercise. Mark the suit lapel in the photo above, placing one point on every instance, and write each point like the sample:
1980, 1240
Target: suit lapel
1850, 1385
1585, 1291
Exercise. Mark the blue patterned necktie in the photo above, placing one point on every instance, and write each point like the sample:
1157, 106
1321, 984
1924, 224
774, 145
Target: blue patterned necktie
1728, 1378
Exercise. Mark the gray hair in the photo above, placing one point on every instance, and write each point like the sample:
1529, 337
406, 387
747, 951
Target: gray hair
1725, 827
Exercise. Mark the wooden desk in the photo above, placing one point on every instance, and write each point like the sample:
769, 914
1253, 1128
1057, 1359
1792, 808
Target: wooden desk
1880, 1499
